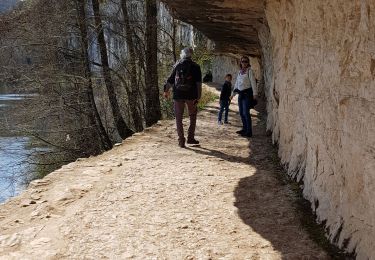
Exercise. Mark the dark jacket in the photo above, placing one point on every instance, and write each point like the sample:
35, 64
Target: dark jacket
193, 93
226, 91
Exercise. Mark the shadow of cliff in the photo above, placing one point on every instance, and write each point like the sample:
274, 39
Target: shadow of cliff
267, 203
264, 198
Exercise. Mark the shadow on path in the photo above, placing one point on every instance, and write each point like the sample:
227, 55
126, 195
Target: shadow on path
264, 201
218, 154
268, 203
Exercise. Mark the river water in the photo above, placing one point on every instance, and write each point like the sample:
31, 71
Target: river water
15, 150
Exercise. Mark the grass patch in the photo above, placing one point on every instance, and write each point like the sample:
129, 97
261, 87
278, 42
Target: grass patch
206, 98
167, 104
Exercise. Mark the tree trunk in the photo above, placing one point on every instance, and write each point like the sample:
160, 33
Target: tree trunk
133, 95
174, 49
93, 113
153, 113
120, 123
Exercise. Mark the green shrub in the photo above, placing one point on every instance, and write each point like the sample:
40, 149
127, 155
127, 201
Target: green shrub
166, 106
207, 97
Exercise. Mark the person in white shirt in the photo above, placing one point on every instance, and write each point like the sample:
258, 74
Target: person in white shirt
247, 90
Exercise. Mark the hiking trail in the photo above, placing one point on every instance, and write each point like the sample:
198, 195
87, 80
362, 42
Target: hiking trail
149, 199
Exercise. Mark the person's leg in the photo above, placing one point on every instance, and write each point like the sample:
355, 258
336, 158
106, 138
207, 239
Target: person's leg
247, 117
193, 110
226, 107
179, 106
242, 114
220, 111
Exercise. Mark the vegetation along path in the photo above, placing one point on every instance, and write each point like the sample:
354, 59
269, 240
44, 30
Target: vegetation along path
149, 199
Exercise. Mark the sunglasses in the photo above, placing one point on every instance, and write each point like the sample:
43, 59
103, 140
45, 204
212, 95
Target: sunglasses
244, 61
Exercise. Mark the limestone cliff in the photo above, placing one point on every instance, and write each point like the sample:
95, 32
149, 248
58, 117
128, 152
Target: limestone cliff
323, 81
318, 62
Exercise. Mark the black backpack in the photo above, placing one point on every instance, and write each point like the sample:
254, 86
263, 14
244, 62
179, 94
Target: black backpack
184, 80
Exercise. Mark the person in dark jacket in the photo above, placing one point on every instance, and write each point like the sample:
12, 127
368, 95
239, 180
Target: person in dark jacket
186, 81
225, 95
208, 77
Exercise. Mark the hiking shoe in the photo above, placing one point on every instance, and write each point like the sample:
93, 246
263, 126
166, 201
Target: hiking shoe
219, 123
246, 135
181, 143
240, 132
192, 141
226, 123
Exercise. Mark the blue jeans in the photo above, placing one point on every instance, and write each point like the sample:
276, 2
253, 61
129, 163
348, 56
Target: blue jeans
224, 105
244, 107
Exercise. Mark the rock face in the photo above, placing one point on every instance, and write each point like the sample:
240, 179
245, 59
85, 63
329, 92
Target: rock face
322, 92
223, 64
232, 24
318, 62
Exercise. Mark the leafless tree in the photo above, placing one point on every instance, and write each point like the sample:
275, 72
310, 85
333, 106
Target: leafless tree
94, 113
153, 112
121, 125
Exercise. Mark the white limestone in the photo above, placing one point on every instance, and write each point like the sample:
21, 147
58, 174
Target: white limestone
320, 69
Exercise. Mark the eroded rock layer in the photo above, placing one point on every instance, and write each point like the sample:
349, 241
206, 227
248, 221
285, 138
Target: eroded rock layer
319, 68
232, 24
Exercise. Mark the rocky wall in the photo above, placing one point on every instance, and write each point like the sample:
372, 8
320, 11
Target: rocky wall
224, 64
319, 59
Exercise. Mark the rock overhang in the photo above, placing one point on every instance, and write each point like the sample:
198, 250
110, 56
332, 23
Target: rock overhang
230, 24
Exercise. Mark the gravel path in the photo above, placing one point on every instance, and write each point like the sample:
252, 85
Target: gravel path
149, 199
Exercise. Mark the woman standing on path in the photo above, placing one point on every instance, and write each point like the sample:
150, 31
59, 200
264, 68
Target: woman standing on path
247, 89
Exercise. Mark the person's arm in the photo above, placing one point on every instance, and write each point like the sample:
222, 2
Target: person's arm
199, 82
227, 91
235, 89
253, 84
223, 91
169, 84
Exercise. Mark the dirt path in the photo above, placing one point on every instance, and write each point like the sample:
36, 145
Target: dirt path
149, 199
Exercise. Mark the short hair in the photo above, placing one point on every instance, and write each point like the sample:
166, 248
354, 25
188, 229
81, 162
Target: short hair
186, 53
228, 75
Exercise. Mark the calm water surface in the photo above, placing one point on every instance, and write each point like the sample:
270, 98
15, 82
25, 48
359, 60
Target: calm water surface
14, 150
13, 165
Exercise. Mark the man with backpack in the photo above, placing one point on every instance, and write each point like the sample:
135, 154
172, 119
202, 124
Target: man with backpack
186, 81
